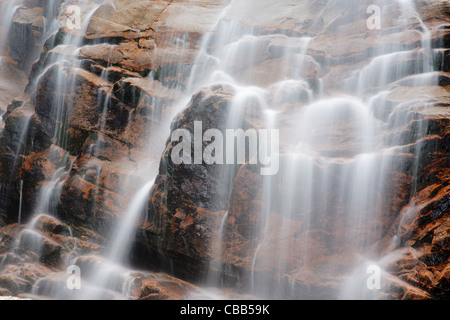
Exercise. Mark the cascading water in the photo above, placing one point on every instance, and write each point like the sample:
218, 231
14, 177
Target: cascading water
338, 133
110, 270
337, 160
48, 196
106, 275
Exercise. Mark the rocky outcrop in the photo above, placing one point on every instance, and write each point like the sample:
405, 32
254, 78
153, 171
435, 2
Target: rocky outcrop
26, 34
188, 201
34, 258
413, 212
116, 100
31, 253
77, 141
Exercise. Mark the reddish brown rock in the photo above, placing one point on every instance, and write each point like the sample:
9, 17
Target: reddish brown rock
188, 201
135, 51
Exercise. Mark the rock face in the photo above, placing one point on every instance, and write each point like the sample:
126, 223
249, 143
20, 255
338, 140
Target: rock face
412, 211
189, 201
26, 33
32, 253
75, 142
90, 126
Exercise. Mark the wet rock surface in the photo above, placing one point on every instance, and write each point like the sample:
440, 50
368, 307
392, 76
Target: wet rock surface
88, 114
97, 110
421, 265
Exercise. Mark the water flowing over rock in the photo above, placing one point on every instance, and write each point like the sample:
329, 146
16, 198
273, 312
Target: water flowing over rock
359, 180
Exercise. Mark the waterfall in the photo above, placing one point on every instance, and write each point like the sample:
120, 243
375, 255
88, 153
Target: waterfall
344, 125
108, 270
336, 179
8, 10
48, 195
